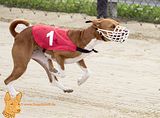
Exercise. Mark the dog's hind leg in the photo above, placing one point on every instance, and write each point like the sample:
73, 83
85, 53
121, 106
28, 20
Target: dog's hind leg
47, 64
40, 58
21, 55
85, 75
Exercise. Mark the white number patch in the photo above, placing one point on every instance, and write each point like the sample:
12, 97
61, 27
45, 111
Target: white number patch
50, 35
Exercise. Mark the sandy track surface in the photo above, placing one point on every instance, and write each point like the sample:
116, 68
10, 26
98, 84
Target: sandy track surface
124, 83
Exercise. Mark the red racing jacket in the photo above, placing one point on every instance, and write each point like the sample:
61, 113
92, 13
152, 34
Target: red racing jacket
52, 38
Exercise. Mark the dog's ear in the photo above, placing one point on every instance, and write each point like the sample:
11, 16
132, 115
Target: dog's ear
97, 23
19, 96
7, 97
88, 21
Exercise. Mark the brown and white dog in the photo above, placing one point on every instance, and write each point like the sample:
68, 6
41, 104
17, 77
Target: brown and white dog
25, 48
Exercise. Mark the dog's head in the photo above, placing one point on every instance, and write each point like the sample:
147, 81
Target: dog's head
12, 105
109, 30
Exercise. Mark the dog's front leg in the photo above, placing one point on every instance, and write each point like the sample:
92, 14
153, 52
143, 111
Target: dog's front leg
85, 75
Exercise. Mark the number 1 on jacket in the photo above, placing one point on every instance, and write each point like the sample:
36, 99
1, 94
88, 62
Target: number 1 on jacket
50, 35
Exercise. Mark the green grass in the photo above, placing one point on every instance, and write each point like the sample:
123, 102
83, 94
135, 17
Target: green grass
139, 12
68, 6
134, 12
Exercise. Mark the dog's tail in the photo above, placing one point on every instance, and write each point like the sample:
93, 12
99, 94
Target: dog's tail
14, 25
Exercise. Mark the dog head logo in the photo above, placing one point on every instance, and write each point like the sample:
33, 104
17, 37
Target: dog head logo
12, 105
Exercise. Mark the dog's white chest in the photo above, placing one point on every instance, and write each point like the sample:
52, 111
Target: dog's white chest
76, 59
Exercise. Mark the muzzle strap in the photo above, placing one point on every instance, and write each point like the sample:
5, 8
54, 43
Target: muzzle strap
85, 50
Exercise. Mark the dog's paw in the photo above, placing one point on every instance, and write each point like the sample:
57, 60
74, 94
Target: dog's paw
68, 91
83, 79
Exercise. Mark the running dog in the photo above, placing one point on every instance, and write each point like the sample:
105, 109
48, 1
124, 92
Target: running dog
44, 43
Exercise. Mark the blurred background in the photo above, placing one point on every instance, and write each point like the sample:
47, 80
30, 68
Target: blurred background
139, 10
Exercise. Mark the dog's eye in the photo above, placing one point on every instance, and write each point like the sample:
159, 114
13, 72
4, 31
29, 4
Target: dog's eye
113, 26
